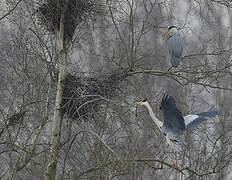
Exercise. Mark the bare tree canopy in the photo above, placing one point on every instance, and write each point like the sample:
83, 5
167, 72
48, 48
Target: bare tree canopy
10, 11
72, 71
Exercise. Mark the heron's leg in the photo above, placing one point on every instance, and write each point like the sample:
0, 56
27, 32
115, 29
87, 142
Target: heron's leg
175, 155
170, 143
169, 69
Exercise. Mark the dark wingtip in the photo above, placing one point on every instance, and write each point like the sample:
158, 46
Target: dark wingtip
167, 100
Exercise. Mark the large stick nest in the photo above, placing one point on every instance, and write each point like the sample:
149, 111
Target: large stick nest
83, 96
77, 11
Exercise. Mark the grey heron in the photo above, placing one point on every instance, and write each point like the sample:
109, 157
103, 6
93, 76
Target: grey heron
175, 45
174, 123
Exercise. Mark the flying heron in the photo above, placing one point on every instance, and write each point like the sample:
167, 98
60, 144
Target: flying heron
174, 123
175, 45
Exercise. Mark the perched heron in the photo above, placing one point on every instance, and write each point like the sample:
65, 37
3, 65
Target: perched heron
174, 123
175, 45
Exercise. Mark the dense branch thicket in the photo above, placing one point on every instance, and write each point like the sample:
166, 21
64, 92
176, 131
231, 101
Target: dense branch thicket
83, 95
103, 120
16, 118
78, 11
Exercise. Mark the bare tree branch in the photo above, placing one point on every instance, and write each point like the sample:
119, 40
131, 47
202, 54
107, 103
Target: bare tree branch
11, 10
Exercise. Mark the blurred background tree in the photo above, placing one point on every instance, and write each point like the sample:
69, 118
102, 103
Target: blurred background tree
122, 49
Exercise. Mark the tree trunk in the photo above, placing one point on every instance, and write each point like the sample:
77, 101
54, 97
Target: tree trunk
61, 49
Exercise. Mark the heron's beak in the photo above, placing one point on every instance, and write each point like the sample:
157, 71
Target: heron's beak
164, 33
139, 102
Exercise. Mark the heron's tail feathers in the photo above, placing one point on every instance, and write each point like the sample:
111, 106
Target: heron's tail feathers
176, 61
180, 139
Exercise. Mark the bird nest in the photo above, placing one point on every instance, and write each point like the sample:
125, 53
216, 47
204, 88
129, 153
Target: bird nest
82, 96
77, 11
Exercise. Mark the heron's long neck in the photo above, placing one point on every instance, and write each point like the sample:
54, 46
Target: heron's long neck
154, 118
170, 34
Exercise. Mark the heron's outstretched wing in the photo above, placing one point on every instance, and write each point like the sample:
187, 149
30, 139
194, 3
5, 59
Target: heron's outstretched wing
175, 48
194, 120
173, 119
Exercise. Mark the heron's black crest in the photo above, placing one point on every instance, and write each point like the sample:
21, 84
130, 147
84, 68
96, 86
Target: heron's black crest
144, 100
170, 27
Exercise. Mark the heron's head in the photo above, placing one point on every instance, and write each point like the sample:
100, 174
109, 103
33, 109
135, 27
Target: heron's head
143, 102
171, 30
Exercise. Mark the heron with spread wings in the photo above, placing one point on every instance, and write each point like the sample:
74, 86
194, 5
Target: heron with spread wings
174, 123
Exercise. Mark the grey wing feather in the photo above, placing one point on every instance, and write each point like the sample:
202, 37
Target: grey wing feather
175, 45
194, 120
173, 118
175, 48
209, 113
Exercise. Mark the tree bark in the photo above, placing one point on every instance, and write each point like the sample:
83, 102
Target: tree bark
61, 48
